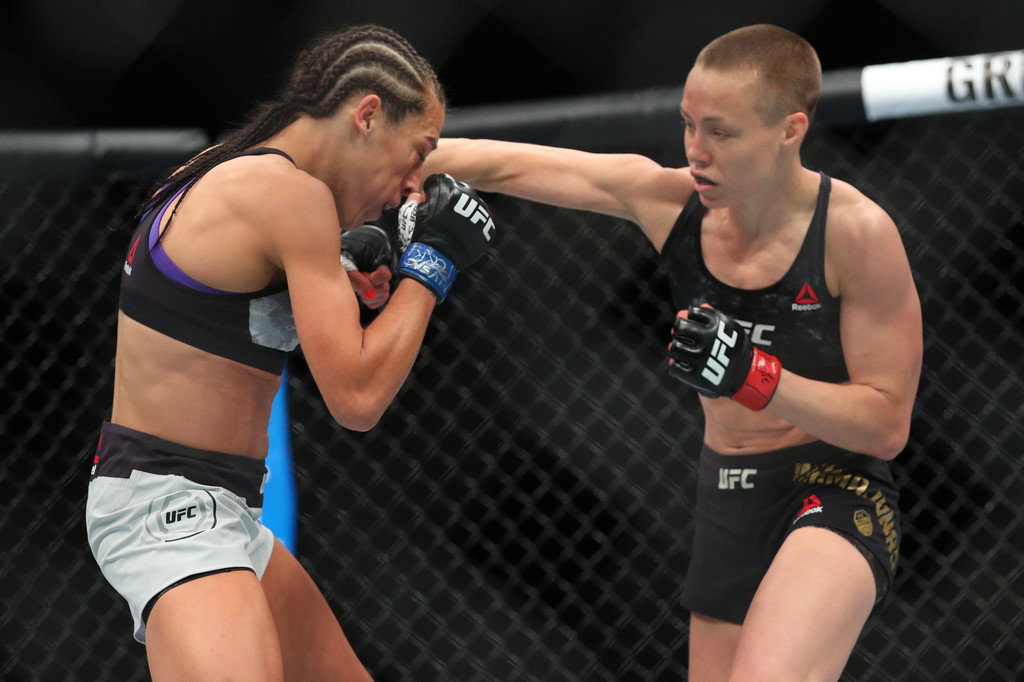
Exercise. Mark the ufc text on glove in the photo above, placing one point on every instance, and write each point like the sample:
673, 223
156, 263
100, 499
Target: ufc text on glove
712, 353
453, 228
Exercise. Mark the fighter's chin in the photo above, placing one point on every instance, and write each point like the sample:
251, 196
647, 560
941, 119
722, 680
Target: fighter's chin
709, 197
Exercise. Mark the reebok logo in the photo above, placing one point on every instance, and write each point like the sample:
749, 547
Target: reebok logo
806, 299
806, 295
131, 256
812, 505
96, 457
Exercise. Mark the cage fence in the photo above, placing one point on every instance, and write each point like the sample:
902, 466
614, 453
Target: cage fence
523, 510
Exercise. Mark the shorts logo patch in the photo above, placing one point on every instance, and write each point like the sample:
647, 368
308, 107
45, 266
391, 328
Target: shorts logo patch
812, 505
729, 479
863, 522
181, 515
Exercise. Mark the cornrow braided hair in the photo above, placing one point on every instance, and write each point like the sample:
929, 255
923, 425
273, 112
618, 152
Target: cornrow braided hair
337, 66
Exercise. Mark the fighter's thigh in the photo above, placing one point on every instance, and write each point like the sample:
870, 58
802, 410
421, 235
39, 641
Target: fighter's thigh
712, 647
808, 610
313, 644
211, 628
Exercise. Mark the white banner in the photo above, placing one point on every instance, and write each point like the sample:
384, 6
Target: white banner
943, 85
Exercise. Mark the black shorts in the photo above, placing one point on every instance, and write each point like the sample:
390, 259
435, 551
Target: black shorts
748, 504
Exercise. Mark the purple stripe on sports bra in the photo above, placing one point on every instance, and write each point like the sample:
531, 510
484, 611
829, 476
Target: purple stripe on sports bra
164, 263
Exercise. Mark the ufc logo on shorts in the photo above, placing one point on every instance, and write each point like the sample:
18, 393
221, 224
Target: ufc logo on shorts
181, 515
729, 478
178, 514
714, 368
471, 208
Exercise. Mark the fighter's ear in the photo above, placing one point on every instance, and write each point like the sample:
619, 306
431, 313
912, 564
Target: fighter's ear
367, 113
795, 128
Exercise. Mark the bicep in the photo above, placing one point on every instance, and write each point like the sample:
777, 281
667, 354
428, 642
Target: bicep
326, 312
304, 238
601, 183
881, 316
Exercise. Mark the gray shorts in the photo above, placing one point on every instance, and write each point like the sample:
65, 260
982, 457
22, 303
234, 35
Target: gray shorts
159, 514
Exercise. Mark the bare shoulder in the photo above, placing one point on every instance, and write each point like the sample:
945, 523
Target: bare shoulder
855, 221
672, 185
863, 242
286, 210
268, 188
665, 192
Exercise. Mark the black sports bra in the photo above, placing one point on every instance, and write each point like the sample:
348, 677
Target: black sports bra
253, 328
795, 319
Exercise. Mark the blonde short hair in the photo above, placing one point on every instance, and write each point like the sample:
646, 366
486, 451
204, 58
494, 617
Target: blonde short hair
786, 67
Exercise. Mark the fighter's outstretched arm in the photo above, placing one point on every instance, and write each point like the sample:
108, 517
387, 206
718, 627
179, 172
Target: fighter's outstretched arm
627, 186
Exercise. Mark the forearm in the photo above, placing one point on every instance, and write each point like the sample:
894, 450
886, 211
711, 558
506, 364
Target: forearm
479, 163
391, 344
359, 377
711, 353
855, 417
450, 157
602, 183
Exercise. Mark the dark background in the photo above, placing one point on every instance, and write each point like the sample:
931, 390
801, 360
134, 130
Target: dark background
204, 63
524, 511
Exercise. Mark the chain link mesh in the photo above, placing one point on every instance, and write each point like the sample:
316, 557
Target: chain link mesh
523, 511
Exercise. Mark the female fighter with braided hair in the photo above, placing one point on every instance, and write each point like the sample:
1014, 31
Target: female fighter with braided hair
799, 325
236, 261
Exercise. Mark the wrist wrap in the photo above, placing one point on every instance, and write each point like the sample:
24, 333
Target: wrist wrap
761, 381
430, 267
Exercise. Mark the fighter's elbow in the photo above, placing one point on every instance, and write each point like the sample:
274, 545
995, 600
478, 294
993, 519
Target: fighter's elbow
361, 423
891, 441
357, 412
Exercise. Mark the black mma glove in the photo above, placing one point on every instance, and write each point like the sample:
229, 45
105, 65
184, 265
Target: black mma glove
371, 245
712, 353
444, 234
